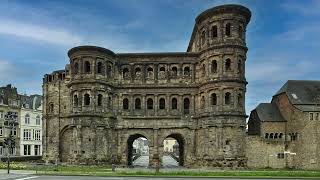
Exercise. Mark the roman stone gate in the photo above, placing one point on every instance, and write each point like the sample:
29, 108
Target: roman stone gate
102, 101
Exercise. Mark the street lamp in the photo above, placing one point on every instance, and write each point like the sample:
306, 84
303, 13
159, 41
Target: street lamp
10, 123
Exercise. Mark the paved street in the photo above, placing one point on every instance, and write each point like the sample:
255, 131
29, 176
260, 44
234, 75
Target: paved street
143, 161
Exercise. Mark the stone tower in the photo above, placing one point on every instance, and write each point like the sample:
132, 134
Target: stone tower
219, 38
103, 101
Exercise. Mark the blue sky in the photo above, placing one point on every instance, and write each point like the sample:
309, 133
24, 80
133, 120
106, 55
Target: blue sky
283, 37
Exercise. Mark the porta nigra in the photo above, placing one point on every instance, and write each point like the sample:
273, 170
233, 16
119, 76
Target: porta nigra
102, 101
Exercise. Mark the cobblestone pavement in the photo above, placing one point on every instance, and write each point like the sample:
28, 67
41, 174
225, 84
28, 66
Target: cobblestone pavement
143, 161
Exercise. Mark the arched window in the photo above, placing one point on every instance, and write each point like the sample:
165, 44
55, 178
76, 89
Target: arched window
38, 120
214, 32
276, 136
109, 71
280, 135
203, 37
100, 98
228, 65
125, 104
227, 98
100, 69
186, 71
239, 66
266, 136
87, 67
109, 102
137, 72
174, 103
162, 69
213, 99
174, 72
76, 68
271, 135
51, 108
240, 99
75, 100
228, 29
186, 105
137, 103
162, 103
202, 102
150, 103
125, 73
27, 119
240, 32
86, 99
214, 66
203, 70
150, 72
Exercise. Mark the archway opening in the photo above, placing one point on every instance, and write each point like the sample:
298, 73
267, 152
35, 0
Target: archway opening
173, 151
138, 151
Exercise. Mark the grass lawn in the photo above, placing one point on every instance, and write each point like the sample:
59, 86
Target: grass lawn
106, 171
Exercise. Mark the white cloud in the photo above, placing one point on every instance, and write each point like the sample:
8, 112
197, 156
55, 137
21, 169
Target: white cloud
39, 33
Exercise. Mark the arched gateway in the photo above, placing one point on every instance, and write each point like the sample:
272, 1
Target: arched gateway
101, 102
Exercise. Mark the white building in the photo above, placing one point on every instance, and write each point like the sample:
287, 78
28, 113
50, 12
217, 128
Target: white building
31, 126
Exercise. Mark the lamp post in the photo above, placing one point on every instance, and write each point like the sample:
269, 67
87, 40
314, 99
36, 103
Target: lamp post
10, 123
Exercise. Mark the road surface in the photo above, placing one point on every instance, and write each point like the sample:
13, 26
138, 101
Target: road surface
167, 161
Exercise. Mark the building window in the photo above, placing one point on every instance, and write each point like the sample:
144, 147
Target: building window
137, 73
1, 115
109, 71
51, 108
228, 29
1, 150
213, 99
228, 65
38, 120
214, 32
186, 105
37, 149
162, 103
266, 135
240, 99
174, 103
203, 37
13, 131
27, 119
240, 32
317, 116
100, 98
86, 99
76, 68
227, 98
100, 69
37, 135
87, 67
174, 72
214, 66
150, 73
125, 73
186, 71
280, 135
27, 150
27, 134
1, 131
109, 102
311, 116
75, 100
125, 103
239, 66
202, 102
149, 103
280, 155
276, 136
137, 103
203, 70
271, 136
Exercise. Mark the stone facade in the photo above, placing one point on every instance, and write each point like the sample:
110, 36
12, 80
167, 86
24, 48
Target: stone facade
102, 101
288, 137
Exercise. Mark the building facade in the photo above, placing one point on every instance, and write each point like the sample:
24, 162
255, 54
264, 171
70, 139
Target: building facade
285, 132
102, 101
29, 116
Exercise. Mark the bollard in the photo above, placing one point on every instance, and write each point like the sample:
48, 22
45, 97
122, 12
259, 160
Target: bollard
113, 167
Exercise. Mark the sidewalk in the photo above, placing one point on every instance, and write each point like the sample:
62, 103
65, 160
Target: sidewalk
15, 174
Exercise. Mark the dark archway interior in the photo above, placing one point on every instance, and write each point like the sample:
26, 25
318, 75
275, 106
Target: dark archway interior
130, 141
180, 140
